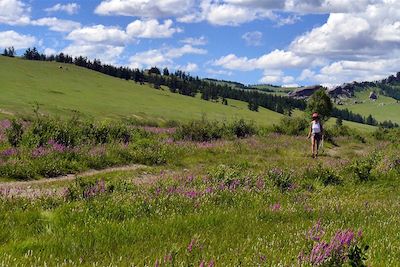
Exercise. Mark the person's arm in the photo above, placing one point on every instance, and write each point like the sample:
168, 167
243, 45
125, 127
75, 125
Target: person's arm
309, 131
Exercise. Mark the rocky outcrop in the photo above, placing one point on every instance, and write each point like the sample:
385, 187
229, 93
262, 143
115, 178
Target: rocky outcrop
373, 96
345, 90
305, 92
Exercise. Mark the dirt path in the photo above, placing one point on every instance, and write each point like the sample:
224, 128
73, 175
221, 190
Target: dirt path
34, 189
69, 177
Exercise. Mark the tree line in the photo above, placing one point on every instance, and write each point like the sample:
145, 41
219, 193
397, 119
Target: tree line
185, 84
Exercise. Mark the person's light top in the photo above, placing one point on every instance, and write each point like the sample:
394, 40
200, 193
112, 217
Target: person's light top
316, 127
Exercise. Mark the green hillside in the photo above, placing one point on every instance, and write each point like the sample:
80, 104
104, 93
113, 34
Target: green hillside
61, 91
384, 108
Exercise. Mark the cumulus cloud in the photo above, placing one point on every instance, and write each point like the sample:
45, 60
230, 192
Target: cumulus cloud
358, 42
106, 53
164, 56
14, 12
190, 67
144, 8
19, 41
151, 29
253, 38
195, 41
58, 25
71, 8
327, 6
277, 59
99, 34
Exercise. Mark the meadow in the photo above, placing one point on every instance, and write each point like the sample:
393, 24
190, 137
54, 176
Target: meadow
384, 108
98, 171
73, 89
201, 195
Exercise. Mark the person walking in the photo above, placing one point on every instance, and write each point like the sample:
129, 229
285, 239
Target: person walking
316, 134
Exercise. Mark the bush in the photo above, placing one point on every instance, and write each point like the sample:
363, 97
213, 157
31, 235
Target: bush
201, 131
14, 133
362, 168
291, 126
382, 134
326, 176
281, 179
241, 128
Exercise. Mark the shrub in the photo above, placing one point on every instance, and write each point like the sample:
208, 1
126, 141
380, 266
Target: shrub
241, 128
362, 168
326, 176
200, 131
291, 126
392, 135
14, 133
281, 179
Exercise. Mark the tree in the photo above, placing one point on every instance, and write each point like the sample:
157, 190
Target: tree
339, 122
154, 70
321, 103
253, 106
166, 72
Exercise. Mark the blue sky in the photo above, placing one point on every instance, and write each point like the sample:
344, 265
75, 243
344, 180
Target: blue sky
283, 42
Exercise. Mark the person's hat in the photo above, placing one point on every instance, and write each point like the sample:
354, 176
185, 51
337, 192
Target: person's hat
315, 115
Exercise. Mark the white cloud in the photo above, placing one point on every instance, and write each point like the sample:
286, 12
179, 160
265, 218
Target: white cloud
190, 67
99, 34
253, 38
186, 49
49, 51
58, 25
151, 29
149, 58
327, 6
195, 41
14, 12
163, 57
71, 8
277, 59
106, 53
144, 8
232, 15
19, 41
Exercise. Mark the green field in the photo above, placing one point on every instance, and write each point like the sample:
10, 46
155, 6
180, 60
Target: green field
62, 91
384, 108
251, 209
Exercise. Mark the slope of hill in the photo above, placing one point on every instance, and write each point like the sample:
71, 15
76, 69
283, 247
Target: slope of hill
63, 90
384, 108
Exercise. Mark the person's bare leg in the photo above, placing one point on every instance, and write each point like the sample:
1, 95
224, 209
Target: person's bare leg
313, 146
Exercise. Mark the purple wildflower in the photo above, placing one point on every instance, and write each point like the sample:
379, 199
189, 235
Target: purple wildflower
5, 124
202, 263
191, 245
39, 152
98, 188
9, 152
276, 207
316, 232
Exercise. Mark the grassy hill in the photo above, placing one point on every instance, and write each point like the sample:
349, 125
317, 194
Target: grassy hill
385, 108
62, 91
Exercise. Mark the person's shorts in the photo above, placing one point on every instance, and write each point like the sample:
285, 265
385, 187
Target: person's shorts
317, 136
